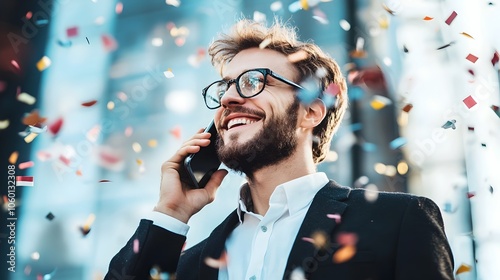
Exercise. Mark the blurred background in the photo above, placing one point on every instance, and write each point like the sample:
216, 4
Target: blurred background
96, 94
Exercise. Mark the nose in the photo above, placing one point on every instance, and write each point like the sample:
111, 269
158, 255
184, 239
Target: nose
231, 97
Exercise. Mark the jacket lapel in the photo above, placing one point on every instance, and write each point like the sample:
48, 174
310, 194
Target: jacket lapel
214, 246
327, 201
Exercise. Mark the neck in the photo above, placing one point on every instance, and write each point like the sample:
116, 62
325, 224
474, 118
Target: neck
264, 181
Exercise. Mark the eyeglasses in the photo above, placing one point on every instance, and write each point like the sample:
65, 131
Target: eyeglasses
248, 84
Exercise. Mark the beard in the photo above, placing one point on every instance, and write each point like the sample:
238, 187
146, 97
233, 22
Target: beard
275, 142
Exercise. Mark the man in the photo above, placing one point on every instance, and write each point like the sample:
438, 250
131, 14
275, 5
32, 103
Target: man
292, 222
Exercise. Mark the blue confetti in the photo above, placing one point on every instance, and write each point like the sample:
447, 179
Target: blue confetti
397, 143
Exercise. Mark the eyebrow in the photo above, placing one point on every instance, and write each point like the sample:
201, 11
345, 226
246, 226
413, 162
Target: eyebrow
226, 78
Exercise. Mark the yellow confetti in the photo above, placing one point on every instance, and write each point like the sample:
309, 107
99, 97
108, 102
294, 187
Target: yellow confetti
30, 137
110, 105
304, 4
4, 124
43, 63
168, 74
378, 102
466, 35
26, 98
383, 22
136, 147
139, 161
13, 157
344, 254
297, 56
152, 143
463, 268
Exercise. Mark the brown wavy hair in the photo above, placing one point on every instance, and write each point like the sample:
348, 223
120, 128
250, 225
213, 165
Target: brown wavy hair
247, 34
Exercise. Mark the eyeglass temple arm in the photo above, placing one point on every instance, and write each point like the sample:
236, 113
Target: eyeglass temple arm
284, 80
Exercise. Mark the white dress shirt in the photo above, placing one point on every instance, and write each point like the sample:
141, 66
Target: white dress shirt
259, 246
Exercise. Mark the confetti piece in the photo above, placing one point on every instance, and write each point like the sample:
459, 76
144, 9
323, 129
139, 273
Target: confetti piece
109, 43
175, 3
41, 22
152, 143
3, 86
470, 128
85, 229
27, 164
65, 160
359, 51
139, 161
35, 256
388, 9
402, 167
276, 6
371, 193
344, 254
407, 108
320, 16
259, 17
472, 58
265, 43
383, 23
398, 143
483, 145
450, 19
336, 217
93, 134
4, 124
30, 137
43, 156
28, 15
15, 64
491, 189
89, 103
298, 274
405, 50
136, 245
43, 63
471, 194
176, 132
217, 263
64, 44
319, 239
310, 91
119, 8
496, 109
136, 147
78, 172
445, 46
449, 124
104, 181
72, 31
333, 89
88, 42
25, 181
463, 268
378, 102
448, 208
36, 129
495, 58
13, 157
428, 18
466, 35
128, 131
469, 101
50, 216
26, 98
297, 56
157, 42
168, 74
344, 24
55, 126
304, 5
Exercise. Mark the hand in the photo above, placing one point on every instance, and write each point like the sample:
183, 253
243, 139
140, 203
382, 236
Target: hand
177, 200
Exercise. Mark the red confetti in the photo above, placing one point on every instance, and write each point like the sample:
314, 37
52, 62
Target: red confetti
55, 126
176, 132
472, 58
496, 109
65, 160
407, 108
27, 164
470, 194
89, 103
469, 101
72, 31
119, 8
450, 19
3, 86
109, 43
470, 128
471, 72
333, 89
104, 181
336, 217
495, 58
29, 15
15, 64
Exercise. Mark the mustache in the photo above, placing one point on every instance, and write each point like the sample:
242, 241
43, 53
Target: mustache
244, 110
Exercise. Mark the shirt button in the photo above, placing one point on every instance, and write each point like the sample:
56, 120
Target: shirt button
252, 278
264, 229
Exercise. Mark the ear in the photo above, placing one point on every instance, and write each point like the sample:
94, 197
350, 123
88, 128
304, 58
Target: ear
314, 113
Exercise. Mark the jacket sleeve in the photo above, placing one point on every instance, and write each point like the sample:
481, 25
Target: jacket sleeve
423, 250
157, 247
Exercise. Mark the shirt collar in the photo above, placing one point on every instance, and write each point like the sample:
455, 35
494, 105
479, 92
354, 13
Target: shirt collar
297, 194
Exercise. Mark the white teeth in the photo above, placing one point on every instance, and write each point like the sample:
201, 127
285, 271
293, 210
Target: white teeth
237, 121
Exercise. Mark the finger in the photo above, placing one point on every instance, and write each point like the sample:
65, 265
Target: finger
214, 183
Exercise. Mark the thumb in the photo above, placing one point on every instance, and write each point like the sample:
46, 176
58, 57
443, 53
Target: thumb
214, 182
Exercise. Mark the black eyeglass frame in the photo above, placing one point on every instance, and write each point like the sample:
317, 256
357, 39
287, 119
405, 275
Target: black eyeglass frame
263, 71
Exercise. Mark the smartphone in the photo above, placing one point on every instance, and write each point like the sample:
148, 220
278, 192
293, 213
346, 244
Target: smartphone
199, 167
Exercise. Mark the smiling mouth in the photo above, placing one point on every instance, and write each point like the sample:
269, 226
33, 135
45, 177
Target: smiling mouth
237, 122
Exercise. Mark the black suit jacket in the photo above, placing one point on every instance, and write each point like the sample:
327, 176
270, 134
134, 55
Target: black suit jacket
400, 236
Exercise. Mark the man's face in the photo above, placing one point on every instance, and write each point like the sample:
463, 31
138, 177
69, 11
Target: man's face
259, 131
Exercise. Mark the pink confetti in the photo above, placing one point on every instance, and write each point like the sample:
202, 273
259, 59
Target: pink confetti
495, 58
308, 239
136, 245
27, 164
55, 126
65, 160
336, 217
109, 42
72, 31
128, 131
469, 101
333, 89
450, 19
3, 86
119, 8
29, 14
472, 58
15, 64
